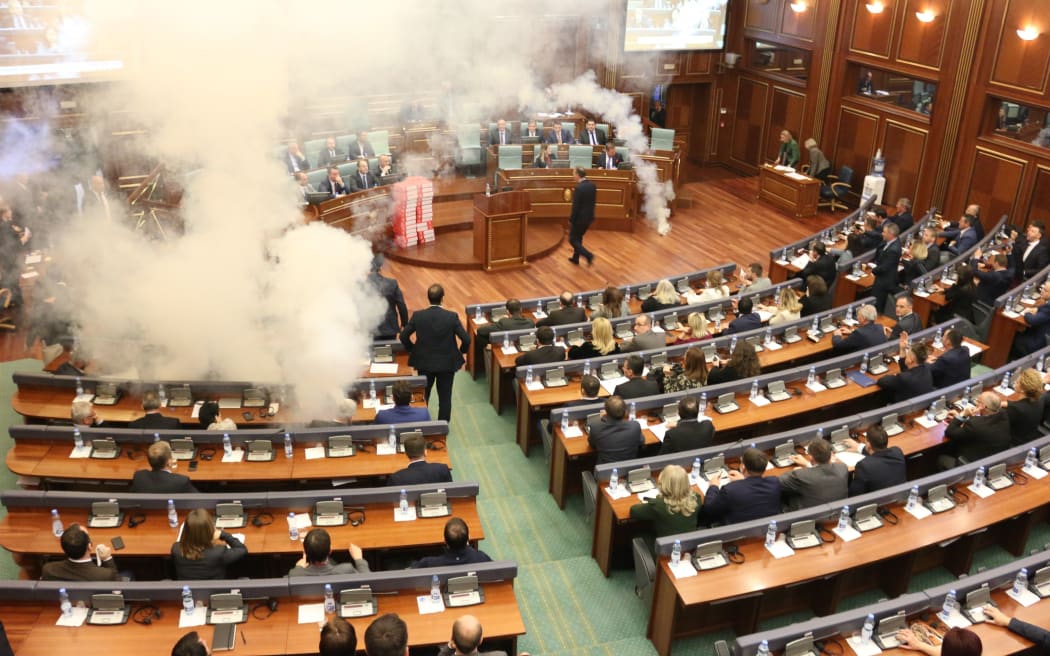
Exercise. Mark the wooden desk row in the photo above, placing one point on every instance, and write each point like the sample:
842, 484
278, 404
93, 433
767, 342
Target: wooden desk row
1006, 322
830, 235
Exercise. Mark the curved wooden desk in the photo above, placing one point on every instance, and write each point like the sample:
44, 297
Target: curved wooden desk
550, 191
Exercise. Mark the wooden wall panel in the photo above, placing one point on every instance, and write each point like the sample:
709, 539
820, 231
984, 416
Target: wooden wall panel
762, 15
749, 122
922, 44
803, 24
994, 184
787, 108
905, 147
871, 33
700, 63
1021, 63
1039, 206
855, 143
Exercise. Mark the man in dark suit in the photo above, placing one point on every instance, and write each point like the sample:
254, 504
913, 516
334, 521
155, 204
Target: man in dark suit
867, 334
159, 478
396, 311
907, 320
746, 318
513, 321
820, 264
883, 466
613, 437
690, 433
1038, 321
545, 352
333, 184
636, 386
953, 366
817, 480
952, 229
567, 313
915, 377
610, 159
153, 419
329, 154
993, 284
903, 217
887, 259
434, 353
79, 565
502, 135
294, 159
1031, 254
363, 179
362, 148
743, 496
419, 471
533, 130
933, 252
967, 238
592, 136
403, 411
559, 135
978, 431
457, 548
582, 216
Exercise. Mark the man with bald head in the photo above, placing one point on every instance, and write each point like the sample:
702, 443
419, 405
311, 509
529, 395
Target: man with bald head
644, 337
466, 638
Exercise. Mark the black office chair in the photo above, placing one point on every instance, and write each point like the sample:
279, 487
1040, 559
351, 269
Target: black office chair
590, 495
833, 192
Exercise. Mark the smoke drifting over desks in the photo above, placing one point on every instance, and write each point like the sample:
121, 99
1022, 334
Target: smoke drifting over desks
246, 294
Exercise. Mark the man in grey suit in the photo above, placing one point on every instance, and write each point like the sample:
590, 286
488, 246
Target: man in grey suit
817, 480
434, 353
644, 337
612, 436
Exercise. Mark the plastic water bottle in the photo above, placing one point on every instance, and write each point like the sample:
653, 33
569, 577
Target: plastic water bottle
868, 629
784, 255
391, 437
564, 421
820, 432
763, 649
769, 336
64, 604
435, 588
1031, 461
815, 326
931, 411
173, 516
732, 344
528, 375
162, 395
864, 364
586, 367
771, 534
614, 479
633, 411
293, 528
80, 386
703, 403
156, 437
978, 477
948, 607
506, 340
477, 314
227, 446
1006, 381
56, 523
1021, 581
288, 446
372, 390
849, 315
579, 301
78, 439
937, 341
913, 498
844, 518
754, 390
695, 473
329, 599
402, 502
187, 600
488, 189
812, 377
676, 552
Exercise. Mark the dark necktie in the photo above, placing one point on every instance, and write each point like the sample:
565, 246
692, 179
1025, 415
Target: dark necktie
364, 181
594, 139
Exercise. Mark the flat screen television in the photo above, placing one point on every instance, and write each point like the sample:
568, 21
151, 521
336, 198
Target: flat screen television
653, 25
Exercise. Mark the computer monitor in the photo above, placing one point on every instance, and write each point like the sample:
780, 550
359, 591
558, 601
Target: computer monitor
317, 197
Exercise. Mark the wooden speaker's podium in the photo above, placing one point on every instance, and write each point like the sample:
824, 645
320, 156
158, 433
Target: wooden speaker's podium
501, 223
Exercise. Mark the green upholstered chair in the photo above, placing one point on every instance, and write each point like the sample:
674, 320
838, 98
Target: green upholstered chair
662, 139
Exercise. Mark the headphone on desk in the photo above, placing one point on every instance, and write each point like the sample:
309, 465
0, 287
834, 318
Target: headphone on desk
270, 605
146, 614
136, 519
263, 518
356, 516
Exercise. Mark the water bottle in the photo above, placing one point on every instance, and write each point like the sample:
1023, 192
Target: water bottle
849, 315
676, 553
815, 326
506, 340
64, 604
869, 628
372, 390
488, 189
435, 588
614, 479
732, 344
978, 477
695, 473
564, 421
187, 600
80, 386
1031, 461
56, 523
78, 439
227, 446
784, 255
844, 518
287, 446
633, 412
1021, 581
812, 377
771, 534
763, 649
528, 375
329, 599
769, 336
402, 502
477, 314
579, 301
948, 606
586, 367
754, 390
864, 364
702, 406
293, 528
913, 498
820, 432
1006, 381
391, 437
173, 517
931, 411
156, 437
539, 308
162, 395
937, 341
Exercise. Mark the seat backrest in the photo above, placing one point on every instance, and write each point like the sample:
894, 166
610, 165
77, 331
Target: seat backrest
343, 141
624, 152
571, 127
661, 139
604, 129
581, 155
510, 157
313, 148
316, 177
380, 140
468, 135
845, 174
347, 169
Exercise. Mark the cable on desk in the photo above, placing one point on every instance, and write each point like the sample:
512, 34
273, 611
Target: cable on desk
734, 554
888, 515
206, 452
956, 492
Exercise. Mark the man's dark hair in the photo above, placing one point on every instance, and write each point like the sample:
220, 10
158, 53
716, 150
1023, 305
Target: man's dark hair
615, 408
744, 306
1038, 225
402, 393
688, 408
387, 635
333, 168
317, 546
877, 437
159, 455
514, 306
953, 337
415, 446
457, 534
635, 364
75, 541
189, 645
818, 247
816, 285
435, 294
545, 335
590, 385
338, 638
208, 413
581, 172
755, 461
918, 349
755, 268
820, 449
150, 401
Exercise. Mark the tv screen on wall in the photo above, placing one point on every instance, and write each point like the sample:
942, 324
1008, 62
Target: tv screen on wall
653, 25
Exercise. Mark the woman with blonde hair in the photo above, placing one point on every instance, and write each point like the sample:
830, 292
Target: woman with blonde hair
688, 374
715, 287
666, 296
788, 307
601, 343
915, 267
675, 510
1026, 413
203, 551
695, 329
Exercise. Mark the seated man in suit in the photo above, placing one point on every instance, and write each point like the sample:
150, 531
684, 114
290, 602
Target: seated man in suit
457, 548
82, 413
294, 159
907, 320
363, 179
821, 263
752, 280
387, 168
993, 284
690, 433
545, 352
403, 411
466, 638
953, 366
79, 564
592, 136
612, 436
302, 186
559, 134
903, 217
513, 321
915, 378
1031, 254
609, 159
967, 238
533, 130
502, 135
153, 419
883, 465
419, 471
160, 477
866, 335
817, 480
567, 313
590, 386
333, 185
981, 430
329, 154
739, 497
317, 557
636, 386
362, 148
933, 251
1038, 321
746, 318
644, 337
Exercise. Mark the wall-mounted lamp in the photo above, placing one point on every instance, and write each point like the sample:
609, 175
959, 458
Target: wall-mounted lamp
875, 6
798, 6
1028, 34
926, 16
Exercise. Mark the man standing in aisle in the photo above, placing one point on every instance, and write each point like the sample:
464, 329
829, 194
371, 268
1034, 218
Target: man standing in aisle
582, 216
434, 353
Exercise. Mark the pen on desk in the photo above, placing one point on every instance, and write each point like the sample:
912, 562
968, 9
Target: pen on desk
243, 639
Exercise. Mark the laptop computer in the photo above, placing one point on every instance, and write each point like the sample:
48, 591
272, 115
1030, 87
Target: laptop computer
1040, 583
595, 301
777, 391
782, 454
553, 305
710, 555
625, 330
670, 412
357, 602
230, 402
937, 499
891, 425
756, 343
108, 609
802, 647
340, 446
866, 518
644, 292
574, 337
226, 608
230, 515
254, 397
827, 324
976, 600
180, 397
834, 378
463, 591
838, 439
555, 377
803, 535
710, 353
594, 417
670, 321
683, 286
329, 513
259, 451
433, 504
1044, 456
640, 480
726, 403
105, 514
658, 360
499, 312
886, 630
791, 335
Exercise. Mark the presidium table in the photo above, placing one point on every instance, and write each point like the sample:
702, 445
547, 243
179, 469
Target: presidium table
788, 190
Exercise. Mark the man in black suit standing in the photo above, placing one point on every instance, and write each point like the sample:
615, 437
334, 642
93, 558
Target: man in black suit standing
636, 386
1031, 254
434, 353
419, 471
159, 479
582, 216
592, 136
363, 179
153, 418
396, 311
887, 258
610, 159
613, 437
883, 466
545, 352
907, 320
690, 433
333, 185
567, 313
